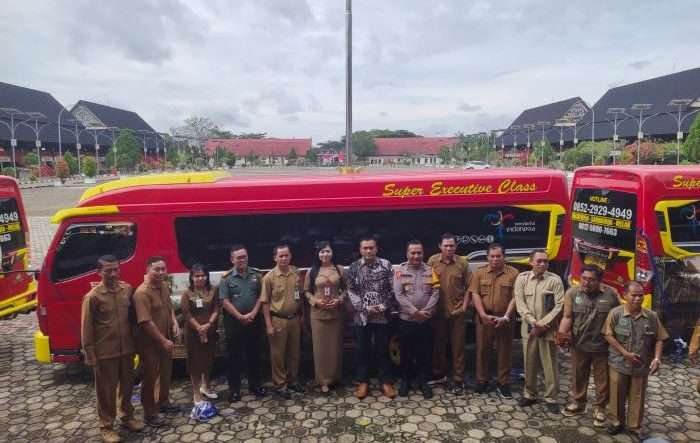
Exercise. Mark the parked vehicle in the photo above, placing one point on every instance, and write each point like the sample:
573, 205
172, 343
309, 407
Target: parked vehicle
476, 164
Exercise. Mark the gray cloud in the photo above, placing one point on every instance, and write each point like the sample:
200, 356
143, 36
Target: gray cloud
466, 107
639, 65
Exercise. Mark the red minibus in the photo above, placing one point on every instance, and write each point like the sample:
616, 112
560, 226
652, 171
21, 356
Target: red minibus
197, 217
642, 222
17, 285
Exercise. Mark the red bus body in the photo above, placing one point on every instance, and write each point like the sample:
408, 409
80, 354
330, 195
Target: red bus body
640, 222
17, 285
197, 217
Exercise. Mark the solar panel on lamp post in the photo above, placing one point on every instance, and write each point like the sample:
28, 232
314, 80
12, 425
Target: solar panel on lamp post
562, 123
36, 116
12, 127
543, 124
529, 127
515, 139
616, 112
680, 102
641, 107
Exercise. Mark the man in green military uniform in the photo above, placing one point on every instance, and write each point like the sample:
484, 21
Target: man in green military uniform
281, 301
586, 308
239, 292
636, 338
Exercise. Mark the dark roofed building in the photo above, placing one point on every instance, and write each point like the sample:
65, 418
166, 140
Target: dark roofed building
95, 115
660, 120
570, 110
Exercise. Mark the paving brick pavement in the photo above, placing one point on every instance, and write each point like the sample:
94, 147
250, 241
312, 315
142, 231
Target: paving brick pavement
56, 403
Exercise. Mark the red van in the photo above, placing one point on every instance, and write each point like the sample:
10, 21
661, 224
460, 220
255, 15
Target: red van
643, 223
17, 285
197, 217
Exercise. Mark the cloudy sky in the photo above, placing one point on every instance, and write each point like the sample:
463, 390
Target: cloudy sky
278, 66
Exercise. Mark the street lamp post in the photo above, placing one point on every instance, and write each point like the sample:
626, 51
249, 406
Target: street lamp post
12, 127
561, 124
60, 146
680, 102
515, 139
529, 127
543, 124
36, 116
616, 112
641, 107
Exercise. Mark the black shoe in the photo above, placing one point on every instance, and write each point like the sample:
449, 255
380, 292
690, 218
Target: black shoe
504, 391
525, 402
457, 388
258, 392
481, 388
169, 409
155, 421
234, 397
404, 387
283, 393
296, 387
553, 408
426, 390
616, 429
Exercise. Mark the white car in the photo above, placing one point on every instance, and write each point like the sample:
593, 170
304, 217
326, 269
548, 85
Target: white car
476, 165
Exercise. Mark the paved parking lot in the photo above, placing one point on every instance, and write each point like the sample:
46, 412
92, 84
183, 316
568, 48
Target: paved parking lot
56, 403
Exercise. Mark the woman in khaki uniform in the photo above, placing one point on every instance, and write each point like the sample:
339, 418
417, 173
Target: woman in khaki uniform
324, 287
200, 310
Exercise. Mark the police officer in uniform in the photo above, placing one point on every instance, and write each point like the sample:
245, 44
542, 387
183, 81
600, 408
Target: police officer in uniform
281, 301
449, 323
539, 297
586, 308
492, 291
239, 291
416, 288
108, 345
636, 338
157, 330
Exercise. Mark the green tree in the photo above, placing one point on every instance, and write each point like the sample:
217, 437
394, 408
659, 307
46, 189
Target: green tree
62, 170
311, 156
30, 159
362, 144
252, 158
332, 145
445, 154
129, 152
292, 155
72, 163
691, 147
538, 152
89, 166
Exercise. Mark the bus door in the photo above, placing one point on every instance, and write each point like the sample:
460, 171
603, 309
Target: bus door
679, 262
17, 286
604, 230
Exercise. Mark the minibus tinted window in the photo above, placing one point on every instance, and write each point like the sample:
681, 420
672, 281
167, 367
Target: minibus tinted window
685, 226
11, 232
208, 239
83, 243
605, 217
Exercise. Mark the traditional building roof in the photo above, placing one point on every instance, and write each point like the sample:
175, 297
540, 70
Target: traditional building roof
571, 109
262, 147
95, 114
412, 145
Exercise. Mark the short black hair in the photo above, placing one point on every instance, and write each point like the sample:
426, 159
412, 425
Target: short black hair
280, 246
447, 236
537, 251
628, 284
154, 259
495, 245
237, 247
413, 242
593, 269
368, 238
107, 258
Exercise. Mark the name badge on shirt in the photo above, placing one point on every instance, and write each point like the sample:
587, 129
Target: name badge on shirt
198, 303
327, 291
296, 294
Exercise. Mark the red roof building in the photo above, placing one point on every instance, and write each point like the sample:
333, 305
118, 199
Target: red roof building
416, 150
268, 150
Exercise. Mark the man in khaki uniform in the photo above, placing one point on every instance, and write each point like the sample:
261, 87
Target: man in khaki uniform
492, 290
635, 336
108, 345
449, 323
586, 308
281, 301
158, 328
539, 296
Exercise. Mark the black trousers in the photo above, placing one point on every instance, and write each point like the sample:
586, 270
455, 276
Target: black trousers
373, 350
416, 344
243, 342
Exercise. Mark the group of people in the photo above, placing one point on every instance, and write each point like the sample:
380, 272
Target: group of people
621, 343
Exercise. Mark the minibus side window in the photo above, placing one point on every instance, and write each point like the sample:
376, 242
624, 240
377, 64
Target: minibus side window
83, 243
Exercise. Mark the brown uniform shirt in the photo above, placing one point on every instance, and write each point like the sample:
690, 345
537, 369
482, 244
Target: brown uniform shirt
454, 281
494, 288
637, 335
200, 306
327, 287
282, 291
105, 328
589, 315
152, 303
538, 299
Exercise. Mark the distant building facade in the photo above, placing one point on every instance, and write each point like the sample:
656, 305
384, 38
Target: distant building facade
267, 151
424, 151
